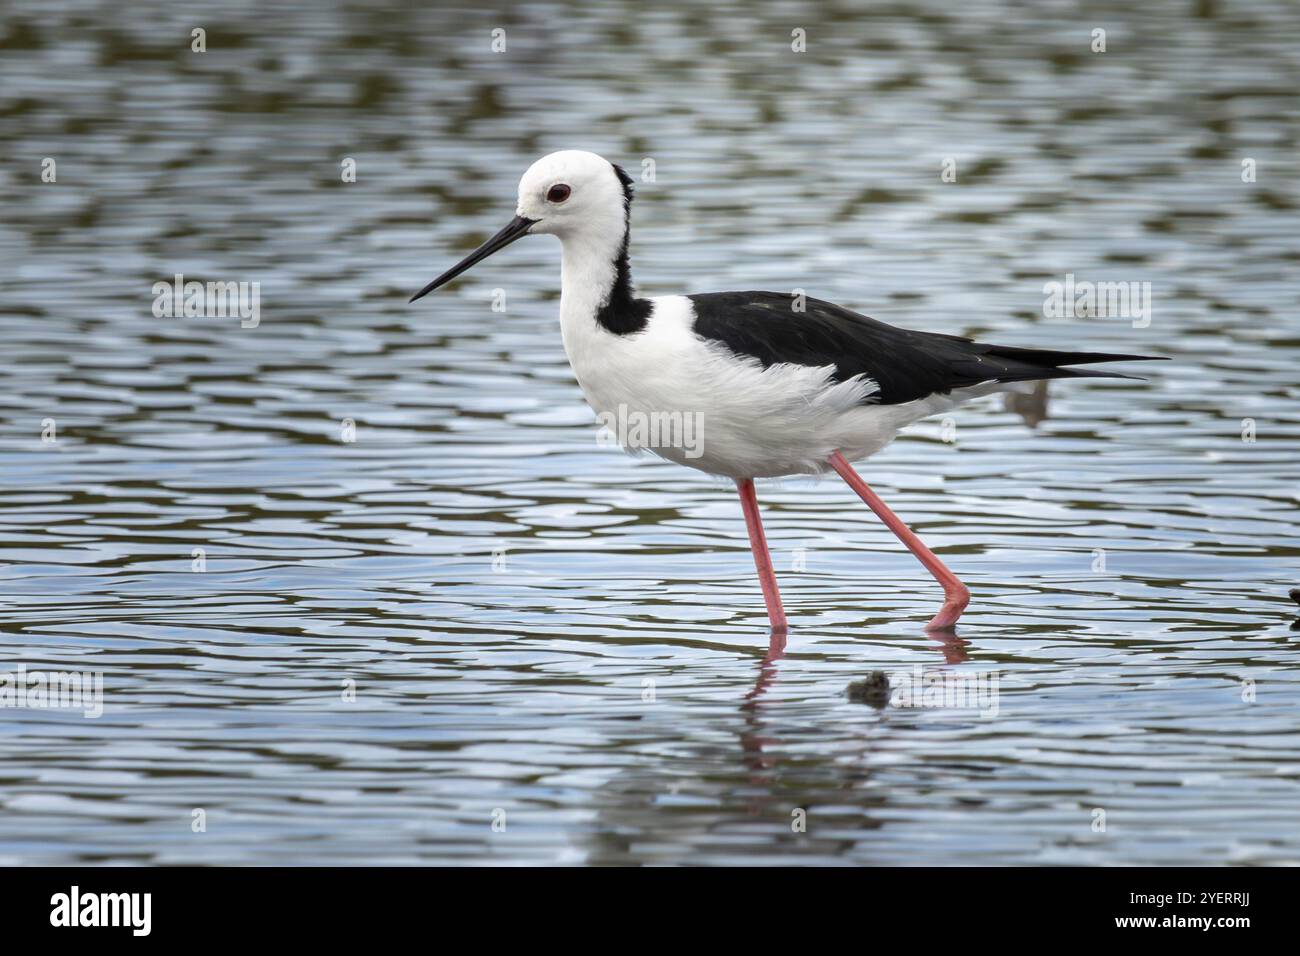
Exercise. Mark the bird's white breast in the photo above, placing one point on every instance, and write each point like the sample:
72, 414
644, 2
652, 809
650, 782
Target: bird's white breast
745, 421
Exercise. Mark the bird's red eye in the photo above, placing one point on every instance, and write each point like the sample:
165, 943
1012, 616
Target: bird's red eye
557, 193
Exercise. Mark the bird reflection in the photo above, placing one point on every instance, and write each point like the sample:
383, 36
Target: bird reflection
954, 648
753, 742
750, 770
951, 646
776, 640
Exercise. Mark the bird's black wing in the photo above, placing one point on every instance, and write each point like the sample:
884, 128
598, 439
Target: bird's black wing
907, 365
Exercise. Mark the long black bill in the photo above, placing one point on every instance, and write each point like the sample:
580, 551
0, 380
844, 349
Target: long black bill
518, 227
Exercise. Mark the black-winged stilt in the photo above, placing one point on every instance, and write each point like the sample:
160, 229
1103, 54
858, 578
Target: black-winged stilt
784, 384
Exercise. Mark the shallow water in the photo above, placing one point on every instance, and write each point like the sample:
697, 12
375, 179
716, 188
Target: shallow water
545, 632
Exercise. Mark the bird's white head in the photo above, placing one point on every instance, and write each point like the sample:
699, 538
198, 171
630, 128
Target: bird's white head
578, 196
574, 192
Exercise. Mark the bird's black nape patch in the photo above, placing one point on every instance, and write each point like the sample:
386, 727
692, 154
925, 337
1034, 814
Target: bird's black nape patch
623, 313
626, 181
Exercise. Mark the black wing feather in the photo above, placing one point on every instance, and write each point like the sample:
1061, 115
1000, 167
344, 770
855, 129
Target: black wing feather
907, 365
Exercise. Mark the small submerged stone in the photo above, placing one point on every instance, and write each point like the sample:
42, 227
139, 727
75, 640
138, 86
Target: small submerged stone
872, 689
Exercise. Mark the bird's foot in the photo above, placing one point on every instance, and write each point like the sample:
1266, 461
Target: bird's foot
956, 597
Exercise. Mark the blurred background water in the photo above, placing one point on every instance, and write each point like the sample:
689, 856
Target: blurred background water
541, 627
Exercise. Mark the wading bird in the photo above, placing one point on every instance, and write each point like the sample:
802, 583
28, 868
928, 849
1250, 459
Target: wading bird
783, 384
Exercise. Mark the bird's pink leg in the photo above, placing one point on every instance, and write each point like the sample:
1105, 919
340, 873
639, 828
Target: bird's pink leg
956, 595
762, 557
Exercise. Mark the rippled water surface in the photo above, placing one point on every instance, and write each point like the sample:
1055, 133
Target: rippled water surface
544, 633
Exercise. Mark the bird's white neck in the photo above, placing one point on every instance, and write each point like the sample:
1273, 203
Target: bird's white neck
587, 274
596, 282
